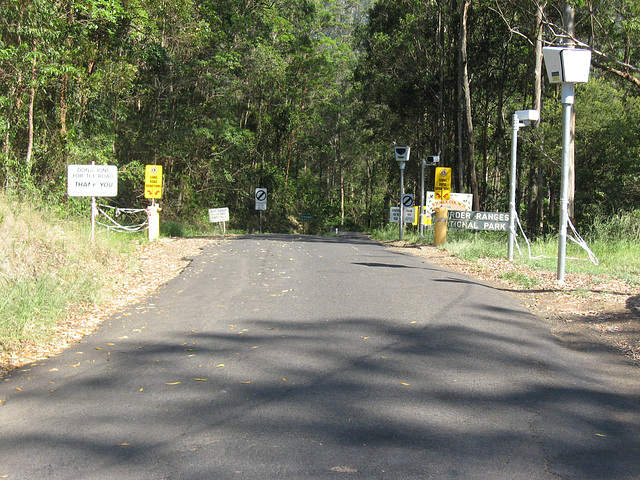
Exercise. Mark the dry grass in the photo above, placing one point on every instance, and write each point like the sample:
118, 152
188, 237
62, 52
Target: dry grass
47, 267
56, 286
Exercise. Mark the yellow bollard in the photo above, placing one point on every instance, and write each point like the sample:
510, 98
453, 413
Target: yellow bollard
442, 215
154, 222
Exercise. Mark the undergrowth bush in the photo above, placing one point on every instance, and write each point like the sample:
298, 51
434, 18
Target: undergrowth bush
48, 264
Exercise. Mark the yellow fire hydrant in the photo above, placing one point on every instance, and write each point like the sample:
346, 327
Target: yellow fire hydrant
442, 215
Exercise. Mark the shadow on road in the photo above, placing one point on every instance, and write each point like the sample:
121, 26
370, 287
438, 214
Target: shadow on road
293, 396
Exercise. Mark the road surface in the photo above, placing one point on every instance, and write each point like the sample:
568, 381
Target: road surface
293, 357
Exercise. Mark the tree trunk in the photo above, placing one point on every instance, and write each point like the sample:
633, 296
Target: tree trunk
467, 103
441, 30
568, 15
536, 209
32, 100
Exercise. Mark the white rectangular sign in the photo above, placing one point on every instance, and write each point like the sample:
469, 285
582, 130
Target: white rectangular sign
394, 215
261, 198
219, 214
409, 215
457, 201
92, 180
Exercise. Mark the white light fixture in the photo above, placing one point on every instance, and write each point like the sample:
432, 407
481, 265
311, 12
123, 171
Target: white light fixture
526, 117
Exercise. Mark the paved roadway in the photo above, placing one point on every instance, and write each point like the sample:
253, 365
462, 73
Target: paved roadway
288, 357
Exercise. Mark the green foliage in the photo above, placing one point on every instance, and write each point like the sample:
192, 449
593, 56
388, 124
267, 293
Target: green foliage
621, 226
306, 99
48, 268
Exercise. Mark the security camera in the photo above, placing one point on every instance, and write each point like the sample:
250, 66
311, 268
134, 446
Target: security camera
433, 159
528, 116
402, 153
567, 65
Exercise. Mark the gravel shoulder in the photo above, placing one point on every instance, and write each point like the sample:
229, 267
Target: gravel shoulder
585, 312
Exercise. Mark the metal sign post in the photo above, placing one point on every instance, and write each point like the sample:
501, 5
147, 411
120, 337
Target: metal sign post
567, 109
260, 202
420, 216
402, 155
512, 189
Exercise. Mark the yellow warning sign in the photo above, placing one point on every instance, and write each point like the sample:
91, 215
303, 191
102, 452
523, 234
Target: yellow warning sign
443, 178
442, 185
153, 181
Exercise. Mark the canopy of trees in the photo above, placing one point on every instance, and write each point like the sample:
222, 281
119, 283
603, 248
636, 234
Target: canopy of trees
307, 98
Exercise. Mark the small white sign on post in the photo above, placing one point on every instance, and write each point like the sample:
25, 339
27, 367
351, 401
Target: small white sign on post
409, 215
219, 215
394, 214
92, 180
457, 201
261, 198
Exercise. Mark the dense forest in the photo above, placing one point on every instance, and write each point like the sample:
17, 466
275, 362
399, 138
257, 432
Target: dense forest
307, 98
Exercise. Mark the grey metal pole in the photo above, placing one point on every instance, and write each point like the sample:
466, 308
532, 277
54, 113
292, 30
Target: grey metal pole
568, 91
401, 194
422, 199
512, 189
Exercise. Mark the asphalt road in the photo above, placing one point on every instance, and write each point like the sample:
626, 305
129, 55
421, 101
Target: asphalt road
289, 357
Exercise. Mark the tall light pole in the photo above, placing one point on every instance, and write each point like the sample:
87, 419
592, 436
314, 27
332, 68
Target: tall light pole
566, 66
521, 118
402, 153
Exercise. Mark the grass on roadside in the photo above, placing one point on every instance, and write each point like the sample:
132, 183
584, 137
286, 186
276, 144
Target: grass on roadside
617, 249
46, 266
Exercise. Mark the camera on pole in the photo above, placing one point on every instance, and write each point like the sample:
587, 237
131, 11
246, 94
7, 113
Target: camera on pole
402, 154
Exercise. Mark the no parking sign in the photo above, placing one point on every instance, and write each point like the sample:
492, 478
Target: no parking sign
261, 198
